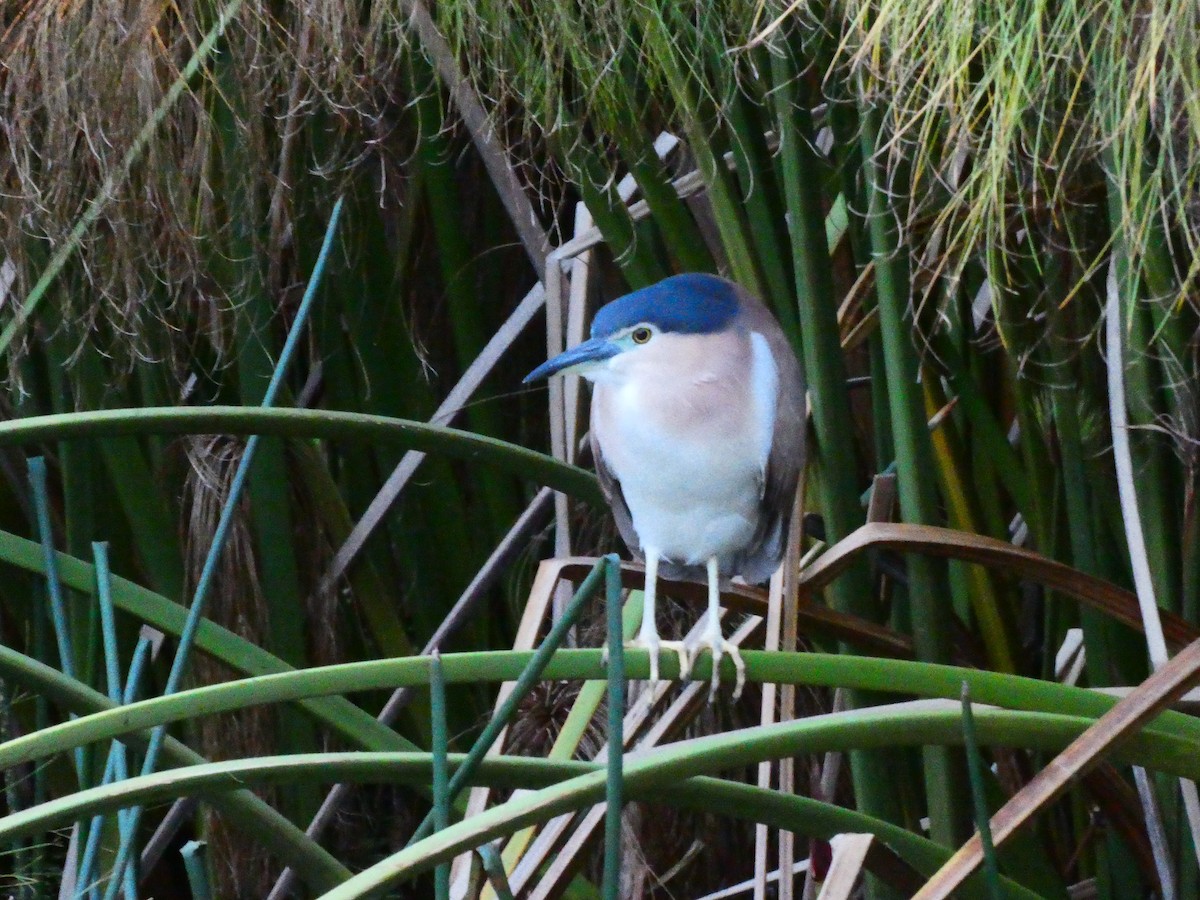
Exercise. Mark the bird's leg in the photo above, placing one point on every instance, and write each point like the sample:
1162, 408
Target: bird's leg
711, 637
648, 634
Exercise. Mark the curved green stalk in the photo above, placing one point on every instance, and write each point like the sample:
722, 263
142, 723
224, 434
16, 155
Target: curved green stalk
653, 771
658, 771
241, 807
826, 670
305, 423
220, 643
700, 792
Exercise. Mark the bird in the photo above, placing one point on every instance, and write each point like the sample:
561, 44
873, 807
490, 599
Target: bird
697, 434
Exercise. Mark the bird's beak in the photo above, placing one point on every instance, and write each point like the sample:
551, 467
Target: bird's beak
576, 361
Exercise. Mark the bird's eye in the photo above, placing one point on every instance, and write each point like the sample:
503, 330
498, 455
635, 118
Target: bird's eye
641, 335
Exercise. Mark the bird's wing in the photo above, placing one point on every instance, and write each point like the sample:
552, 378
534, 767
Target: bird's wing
611, 488
785, 458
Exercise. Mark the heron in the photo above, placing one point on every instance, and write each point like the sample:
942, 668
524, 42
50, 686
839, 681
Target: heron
697, 433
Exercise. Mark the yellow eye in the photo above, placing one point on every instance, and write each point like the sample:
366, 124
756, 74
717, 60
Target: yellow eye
641, 335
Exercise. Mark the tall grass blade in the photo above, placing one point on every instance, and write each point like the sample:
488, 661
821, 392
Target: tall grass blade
187, 635
484, 135
441, 779
614, 792
975, 767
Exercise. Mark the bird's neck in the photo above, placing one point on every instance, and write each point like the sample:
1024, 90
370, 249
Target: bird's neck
680, 383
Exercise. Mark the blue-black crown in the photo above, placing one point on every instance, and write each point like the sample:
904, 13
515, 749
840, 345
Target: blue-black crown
693, 303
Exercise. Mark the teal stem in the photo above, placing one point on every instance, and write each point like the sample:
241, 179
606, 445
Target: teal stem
116, 767
187, 635
982, 819
108, 620
528, 678
614, 792
493, 865
58, 607
195, 862
439, 746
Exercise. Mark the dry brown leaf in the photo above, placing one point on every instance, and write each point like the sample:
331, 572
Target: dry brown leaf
927, 539
1084, 754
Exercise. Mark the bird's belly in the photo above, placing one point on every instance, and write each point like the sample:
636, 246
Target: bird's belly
689, 498
690, 535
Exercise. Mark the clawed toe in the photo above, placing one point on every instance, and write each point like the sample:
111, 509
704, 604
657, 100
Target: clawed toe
719, 647
688, 652
740, 665
685, 662
655, 647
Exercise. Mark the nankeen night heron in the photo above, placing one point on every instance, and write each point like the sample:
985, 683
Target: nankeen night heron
698, 437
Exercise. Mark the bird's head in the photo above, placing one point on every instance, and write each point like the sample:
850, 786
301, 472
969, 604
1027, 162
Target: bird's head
690, 304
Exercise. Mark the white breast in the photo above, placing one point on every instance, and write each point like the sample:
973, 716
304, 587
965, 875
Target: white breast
686, 431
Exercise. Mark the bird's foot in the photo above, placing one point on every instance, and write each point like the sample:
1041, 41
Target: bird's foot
654, 645
712, 639
685, 661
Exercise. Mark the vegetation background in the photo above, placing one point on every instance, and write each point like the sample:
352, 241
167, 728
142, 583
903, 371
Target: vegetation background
947, 204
